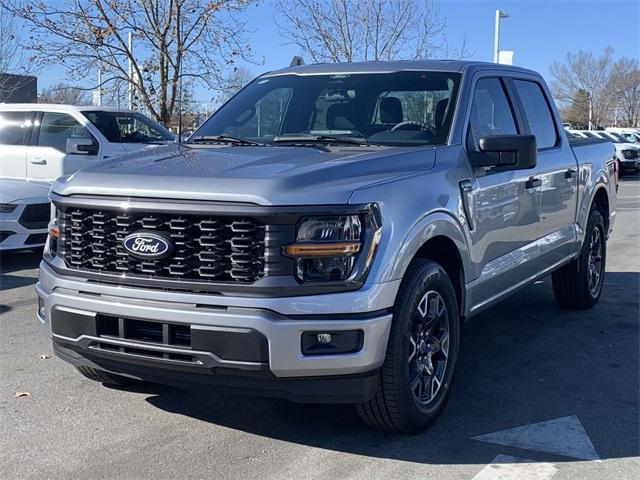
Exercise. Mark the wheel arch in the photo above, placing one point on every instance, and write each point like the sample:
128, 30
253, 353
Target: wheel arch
440, 238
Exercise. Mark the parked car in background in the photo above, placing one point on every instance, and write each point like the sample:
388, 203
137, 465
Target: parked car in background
324, 235
24, 213
627, 153
43, 142
630, 134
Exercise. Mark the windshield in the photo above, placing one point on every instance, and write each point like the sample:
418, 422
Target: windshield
128, 127
616, 138
589, 134
400, 109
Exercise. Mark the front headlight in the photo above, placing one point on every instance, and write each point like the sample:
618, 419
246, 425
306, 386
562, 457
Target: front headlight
628, 154
7, 207
54, 231
332, 248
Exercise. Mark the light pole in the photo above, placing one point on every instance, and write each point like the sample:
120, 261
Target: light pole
496, 38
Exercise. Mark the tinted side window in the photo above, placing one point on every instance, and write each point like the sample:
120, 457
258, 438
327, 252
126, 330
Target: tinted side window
491, 113
538, 114
14, 127
56, 128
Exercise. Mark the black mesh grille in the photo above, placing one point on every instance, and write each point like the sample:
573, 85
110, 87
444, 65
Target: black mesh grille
205, 248
35, 216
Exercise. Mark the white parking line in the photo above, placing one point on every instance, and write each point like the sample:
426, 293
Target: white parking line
561, 436
505, 467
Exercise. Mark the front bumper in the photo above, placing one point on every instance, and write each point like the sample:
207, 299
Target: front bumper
17, 235
632, 165
282, 371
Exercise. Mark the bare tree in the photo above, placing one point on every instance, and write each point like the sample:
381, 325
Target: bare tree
173, 39
359, 30
585, 82
627, 87
234, 82
66, 94
12, 59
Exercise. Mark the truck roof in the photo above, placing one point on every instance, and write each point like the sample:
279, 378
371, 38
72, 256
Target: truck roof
57, 107
460, 66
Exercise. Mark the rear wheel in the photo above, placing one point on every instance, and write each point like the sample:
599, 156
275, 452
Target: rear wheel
105, 377
421, 353
578, 285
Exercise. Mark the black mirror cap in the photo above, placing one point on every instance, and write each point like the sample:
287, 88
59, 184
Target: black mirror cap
514, 151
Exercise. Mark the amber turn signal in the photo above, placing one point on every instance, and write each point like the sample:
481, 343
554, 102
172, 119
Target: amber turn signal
322, 249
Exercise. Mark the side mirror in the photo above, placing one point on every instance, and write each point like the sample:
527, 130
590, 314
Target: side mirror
81, 146
514, 152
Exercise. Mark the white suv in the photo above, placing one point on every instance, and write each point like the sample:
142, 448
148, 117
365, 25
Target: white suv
43, 142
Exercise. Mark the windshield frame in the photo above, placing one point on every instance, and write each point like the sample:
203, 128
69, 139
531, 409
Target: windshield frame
371, 92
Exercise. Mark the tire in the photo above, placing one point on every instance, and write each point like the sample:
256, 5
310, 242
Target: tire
404, 376
105, 377
575, 285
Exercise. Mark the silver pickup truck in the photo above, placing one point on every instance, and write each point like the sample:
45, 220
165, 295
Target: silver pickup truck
323, 236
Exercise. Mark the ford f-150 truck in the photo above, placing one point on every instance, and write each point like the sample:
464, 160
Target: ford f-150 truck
323, 236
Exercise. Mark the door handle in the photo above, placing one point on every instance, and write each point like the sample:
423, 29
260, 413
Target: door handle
533, 183
569, 174
38, 161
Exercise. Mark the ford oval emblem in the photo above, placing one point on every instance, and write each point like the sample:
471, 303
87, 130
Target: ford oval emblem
147, 245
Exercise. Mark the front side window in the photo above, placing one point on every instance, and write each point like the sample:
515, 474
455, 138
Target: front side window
539, 116
14, 127
491, 113
399, 109
125, 127
57, 128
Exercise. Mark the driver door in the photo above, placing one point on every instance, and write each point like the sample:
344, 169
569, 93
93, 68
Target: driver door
47, 156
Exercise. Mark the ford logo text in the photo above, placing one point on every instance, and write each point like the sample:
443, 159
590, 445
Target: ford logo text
147, 245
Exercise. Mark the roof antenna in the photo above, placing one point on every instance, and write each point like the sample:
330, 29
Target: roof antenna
296, 61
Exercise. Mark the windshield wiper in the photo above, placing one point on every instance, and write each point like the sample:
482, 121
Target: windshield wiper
325, 139
223, 139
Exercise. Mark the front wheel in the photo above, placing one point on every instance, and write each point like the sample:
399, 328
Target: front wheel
578, 285
421, 354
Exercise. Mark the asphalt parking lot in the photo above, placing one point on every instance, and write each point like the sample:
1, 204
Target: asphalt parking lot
551, 394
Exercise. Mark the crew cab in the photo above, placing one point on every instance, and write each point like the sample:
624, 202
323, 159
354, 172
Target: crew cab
325, 234
43, 142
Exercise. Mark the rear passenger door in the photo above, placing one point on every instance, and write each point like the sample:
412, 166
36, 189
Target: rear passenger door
15, 130
505, 207
47, 157
557, 169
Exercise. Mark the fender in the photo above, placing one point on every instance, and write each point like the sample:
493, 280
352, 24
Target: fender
434, 224
593, 182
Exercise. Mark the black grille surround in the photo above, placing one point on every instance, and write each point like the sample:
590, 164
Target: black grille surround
206, 247
92, 251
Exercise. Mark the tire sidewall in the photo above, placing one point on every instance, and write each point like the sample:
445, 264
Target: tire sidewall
431, 277
595, 221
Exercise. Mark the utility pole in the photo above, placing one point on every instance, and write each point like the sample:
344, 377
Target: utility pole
130, 71
100, 85
180, 95
496, 37
590, 112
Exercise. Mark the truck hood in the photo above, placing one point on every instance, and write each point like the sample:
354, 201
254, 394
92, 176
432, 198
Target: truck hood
14, 189
262, 175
